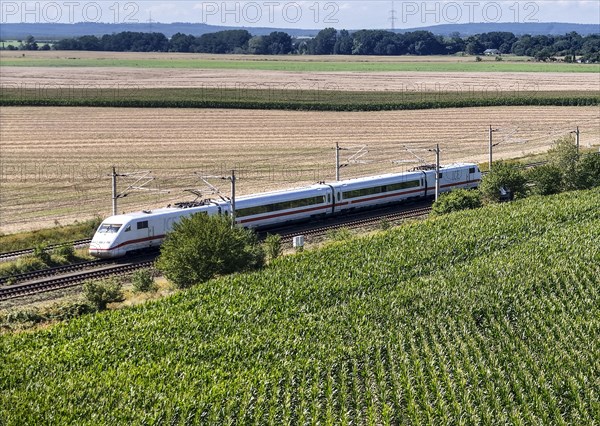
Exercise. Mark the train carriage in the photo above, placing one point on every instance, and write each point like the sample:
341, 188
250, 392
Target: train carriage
274, 208
378, 190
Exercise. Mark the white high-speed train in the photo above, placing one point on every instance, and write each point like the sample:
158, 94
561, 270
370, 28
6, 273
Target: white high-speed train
121, 234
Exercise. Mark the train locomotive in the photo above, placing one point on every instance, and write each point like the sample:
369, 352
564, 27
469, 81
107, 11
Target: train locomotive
121, 234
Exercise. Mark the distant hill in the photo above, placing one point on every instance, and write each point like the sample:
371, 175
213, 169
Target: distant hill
538, 28
58, 31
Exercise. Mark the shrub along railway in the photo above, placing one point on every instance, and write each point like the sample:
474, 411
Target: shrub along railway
487, 316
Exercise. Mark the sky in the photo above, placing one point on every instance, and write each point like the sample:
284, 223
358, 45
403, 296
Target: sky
353, 14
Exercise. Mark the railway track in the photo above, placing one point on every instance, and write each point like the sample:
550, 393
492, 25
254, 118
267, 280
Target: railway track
71, 280
49, 272
19, 253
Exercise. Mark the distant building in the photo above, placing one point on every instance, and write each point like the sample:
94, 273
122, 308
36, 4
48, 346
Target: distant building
490, 52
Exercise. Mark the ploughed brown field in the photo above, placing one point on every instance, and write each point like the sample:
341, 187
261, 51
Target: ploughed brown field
55, 162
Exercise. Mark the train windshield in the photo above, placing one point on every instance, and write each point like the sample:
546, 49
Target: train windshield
106, 228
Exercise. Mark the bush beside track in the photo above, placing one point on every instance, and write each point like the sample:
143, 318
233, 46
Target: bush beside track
491, 320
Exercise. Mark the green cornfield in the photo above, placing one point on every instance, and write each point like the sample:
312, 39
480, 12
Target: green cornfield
490, 316
309, 100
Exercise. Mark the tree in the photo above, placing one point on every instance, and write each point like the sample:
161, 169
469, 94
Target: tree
544, 54
324, 42
366, 41
503, 177
343, 43
257, 45
30, 43
523, 46
428, 44
546, 179
143, 281
474, 47
201, 247
181, 42
89, 43
69, 44
278, 43
273, 247
454, 43
563, 155
588, 171
101, 293
461, 199
228, 41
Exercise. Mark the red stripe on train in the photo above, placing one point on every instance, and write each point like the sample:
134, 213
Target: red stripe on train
140, 240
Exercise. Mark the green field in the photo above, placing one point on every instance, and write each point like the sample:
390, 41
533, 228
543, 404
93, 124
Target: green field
304, 66
56, 235
287, 99
483, 317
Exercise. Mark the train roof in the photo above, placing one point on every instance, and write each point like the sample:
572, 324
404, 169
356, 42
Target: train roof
397, 175
286, 191
124, 218
342, 182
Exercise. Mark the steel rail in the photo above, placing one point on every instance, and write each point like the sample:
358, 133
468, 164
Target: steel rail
66, 281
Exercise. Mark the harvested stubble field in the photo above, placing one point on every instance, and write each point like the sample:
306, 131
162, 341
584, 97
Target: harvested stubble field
69, 69
56, 161
42, 78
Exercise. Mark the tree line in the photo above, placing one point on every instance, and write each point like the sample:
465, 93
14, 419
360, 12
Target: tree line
330, 41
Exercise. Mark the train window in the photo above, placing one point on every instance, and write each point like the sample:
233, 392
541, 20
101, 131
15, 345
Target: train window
403, 185
338, 196
109, 229
284, 205
381, 189
329, 198
142, 225
128, 228
441, 174
472, 170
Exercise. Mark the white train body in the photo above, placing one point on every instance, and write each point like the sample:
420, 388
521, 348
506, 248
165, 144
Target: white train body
121, 234
279, 207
